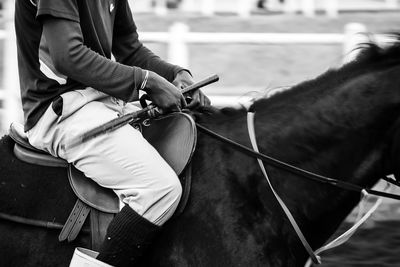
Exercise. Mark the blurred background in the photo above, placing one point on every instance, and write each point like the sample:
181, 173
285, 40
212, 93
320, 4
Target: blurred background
254, 46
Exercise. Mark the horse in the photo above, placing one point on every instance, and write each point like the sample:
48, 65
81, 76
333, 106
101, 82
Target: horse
342, 124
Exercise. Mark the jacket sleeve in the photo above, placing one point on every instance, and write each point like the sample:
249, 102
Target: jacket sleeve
66, 9
128, 50
72, 58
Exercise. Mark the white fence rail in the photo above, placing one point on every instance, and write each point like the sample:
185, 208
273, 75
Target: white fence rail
179, 37
333, 7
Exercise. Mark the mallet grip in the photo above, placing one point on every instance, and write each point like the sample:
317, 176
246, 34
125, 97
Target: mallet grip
212, 79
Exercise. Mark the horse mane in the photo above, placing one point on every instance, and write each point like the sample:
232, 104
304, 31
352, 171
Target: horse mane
214, 115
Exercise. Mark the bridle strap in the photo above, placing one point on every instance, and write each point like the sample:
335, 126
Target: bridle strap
391, 181
250, 125
293, 169
361, 218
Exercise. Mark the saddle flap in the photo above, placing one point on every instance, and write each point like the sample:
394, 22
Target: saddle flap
174, 136
92, 194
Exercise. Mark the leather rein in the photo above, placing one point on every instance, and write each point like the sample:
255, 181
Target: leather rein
296, 170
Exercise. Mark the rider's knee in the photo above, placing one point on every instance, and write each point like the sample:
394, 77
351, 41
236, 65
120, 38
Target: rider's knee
167, 200
174, 189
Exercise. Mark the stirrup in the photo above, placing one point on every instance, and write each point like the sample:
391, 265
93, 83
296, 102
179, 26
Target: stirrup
86, 257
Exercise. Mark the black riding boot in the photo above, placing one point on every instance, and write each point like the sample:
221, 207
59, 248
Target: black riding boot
128, 236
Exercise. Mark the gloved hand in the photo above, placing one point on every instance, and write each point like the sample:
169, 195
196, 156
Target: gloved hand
195, 98
163, 93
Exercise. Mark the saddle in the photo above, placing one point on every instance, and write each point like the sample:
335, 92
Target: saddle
173, 135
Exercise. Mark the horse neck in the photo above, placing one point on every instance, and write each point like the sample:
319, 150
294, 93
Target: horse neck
334, 131
338, 132
319, 123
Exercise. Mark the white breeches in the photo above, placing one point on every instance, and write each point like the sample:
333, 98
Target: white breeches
121, 160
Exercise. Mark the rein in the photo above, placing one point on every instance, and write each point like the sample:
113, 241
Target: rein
296, 170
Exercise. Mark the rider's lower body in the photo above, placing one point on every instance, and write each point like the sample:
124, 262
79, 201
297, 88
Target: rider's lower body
122, 160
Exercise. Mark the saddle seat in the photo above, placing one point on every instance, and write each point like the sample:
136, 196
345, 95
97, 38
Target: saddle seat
24, 151
173, 135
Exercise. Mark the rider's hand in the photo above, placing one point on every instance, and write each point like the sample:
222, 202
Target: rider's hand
163, 93
197, 99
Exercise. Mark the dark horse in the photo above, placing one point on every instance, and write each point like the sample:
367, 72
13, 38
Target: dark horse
343, 124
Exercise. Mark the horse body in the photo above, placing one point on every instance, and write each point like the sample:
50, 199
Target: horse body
342, 125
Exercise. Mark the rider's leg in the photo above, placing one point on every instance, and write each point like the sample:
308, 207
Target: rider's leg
123, 161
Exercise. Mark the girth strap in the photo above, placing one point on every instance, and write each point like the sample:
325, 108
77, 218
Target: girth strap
99, 222
74, 222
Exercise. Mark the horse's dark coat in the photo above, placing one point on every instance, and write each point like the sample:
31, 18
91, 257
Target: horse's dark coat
341, 124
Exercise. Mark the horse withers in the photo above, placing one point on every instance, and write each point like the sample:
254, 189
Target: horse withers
342, 124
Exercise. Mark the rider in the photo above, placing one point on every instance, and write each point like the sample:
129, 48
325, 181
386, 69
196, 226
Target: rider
70, 84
